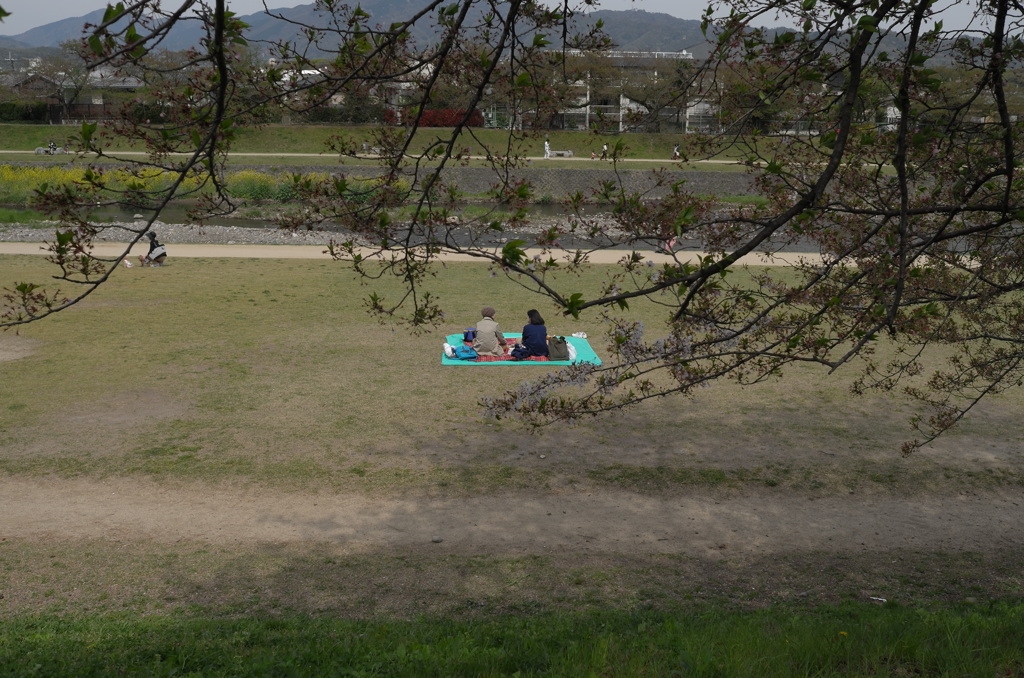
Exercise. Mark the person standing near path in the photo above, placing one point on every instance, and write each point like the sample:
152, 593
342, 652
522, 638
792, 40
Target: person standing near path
669, 240
604, 151
675, 152
547, 149
489, 339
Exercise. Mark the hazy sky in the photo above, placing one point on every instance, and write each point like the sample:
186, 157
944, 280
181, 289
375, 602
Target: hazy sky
26, 14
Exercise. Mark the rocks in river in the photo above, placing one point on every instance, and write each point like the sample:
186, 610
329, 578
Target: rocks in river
212, 235
182, 233
170, 233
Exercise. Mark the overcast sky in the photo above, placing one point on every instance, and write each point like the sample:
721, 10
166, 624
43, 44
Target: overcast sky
26, 14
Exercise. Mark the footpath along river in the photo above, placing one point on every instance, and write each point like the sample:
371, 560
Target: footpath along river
256, 239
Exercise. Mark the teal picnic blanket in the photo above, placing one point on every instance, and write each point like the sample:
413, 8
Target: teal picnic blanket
584, 353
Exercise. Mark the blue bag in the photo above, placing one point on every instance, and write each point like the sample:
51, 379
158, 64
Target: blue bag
465, 353
469, 334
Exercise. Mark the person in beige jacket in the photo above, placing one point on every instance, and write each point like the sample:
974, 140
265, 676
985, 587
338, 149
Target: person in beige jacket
489, 339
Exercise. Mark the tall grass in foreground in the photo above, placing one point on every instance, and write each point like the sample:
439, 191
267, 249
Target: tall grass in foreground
851, 640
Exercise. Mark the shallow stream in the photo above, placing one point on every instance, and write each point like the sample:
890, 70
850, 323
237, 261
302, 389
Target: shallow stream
543, 214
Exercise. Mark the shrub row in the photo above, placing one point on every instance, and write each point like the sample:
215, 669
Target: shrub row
19, 183
12, 111
450, 117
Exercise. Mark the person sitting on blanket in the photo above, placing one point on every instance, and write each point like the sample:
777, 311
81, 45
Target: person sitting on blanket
535, 335
489, 339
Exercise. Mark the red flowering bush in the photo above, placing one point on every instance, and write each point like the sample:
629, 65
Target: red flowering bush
450, 117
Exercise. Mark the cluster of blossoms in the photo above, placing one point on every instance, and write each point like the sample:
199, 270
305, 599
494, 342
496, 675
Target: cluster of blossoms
673, 348
628, 339
535, 400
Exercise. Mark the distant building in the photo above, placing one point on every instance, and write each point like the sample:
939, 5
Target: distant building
68, 96
620, 91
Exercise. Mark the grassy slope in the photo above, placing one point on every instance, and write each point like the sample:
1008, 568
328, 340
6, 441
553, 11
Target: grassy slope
268, 374
273, 139
273, 361
849, 641
263, 353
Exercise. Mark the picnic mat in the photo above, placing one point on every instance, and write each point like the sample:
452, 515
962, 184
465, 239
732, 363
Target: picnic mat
584, 353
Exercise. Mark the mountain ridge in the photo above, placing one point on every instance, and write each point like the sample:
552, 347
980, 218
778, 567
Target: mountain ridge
634, 29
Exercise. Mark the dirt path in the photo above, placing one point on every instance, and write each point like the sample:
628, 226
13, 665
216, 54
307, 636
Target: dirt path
81, 546
609, 521
106, 249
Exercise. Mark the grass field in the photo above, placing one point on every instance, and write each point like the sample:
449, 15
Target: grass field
849, 641
285, 140
212, 380
262, 353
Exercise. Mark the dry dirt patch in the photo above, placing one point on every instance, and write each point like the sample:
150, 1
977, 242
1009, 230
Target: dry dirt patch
15, 347
694, 523
123, 409
85, 545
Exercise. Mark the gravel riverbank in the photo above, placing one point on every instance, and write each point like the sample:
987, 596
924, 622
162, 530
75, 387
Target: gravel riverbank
182, 233
240, 241
177, 233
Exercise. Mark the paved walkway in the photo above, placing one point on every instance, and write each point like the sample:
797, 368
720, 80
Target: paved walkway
109, 249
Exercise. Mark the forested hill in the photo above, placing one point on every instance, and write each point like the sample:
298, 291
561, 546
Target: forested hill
630, 29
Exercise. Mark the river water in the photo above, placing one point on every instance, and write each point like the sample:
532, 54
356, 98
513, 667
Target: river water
543, 214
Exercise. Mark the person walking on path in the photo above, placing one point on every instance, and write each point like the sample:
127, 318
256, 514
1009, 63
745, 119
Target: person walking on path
604, 151
547, 149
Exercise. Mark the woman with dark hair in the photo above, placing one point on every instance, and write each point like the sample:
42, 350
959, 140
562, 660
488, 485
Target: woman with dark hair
157, 253
535, 335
